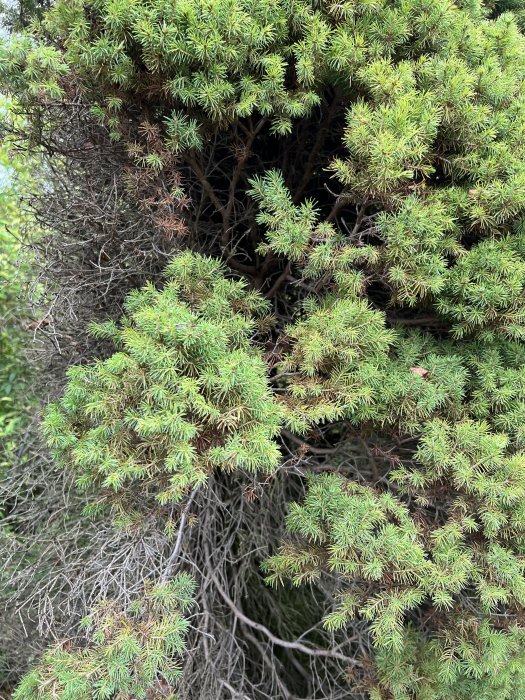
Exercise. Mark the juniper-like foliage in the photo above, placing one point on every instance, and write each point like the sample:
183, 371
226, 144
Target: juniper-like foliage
358, 169
128, 653
184, 394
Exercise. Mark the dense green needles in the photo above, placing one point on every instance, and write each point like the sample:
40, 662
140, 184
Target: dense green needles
354, 172
184, 393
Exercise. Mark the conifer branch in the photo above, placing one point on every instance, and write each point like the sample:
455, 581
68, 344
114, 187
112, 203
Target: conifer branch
171, 562
321, 133
297, 646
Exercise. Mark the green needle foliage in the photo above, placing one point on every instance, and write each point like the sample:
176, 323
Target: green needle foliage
359, 168
185, 393
129, 653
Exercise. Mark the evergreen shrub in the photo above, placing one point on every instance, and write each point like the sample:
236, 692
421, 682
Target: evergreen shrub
358, 167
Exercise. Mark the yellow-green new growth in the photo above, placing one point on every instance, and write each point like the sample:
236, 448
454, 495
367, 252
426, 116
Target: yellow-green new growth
185, 393
131, 652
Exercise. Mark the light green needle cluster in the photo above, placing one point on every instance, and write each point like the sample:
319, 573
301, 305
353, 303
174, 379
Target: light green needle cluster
130, 652
392, 565
224, 60
184, 394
